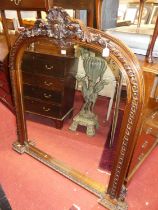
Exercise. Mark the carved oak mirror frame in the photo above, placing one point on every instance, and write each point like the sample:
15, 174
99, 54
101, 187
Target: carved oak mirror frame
63, 30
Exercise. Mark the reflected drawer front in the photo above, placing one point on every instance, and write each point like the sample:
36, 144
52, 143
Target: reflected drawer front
42, 108
40, 93
45, 64
151, 124
144, 145
50, 65
44, 82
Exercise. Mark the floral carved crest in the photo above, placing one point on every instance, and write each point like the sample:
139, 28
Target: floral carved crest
59, 25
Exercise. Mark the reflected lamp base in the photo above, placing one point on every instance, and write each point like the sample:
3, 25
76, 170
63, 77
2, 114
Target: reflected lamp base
90, 122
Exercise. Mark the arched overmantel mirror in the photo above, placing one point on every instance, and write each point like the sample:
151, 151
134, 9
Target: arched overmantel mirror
65, 32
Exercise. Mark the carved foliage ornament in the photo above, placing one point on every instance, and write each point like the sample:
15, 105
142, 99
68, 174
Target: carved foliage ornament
59, 25
16, 2
62, 28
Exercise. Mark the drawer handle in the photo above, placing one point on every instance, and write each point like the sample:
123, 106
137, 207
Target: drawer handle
47, 95
46, 109
145, 144
48, 83
49, 67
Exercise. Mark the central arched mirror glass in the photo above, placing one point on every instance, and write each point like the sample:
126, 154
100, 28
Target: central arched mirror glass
58, 83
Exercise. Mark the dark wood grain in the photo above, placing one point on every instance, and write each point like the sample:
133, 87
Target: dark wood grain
43, 94
46, 64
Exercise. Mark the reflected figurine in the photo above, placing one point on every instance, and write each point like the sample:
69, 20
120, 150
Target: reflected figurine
92, 84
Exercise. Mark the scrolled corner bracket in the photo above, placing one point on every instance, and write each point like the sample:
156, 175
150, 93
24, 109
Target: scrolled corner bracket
111, 204
22, 148
19, 147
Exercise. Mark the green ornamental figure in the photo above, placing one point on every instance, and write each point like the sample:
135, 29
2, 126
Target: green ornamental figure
92, 84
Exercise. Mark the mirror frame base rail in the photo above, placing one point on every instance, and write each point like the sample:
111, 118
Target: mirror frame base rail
77, 177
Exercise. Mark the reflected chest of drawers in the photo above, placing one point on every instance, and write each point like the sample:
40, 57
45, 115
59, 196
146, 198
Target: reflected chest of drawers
49, 85
148, 129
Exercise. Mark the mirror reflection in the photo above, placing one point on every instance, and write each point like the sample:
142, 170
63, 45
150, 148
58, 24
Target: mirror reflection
136, 21
128, 12
60, 85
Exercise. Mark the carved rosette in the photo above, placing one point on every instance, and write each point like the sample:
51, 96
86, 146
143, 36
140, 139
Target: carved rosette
61, 28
